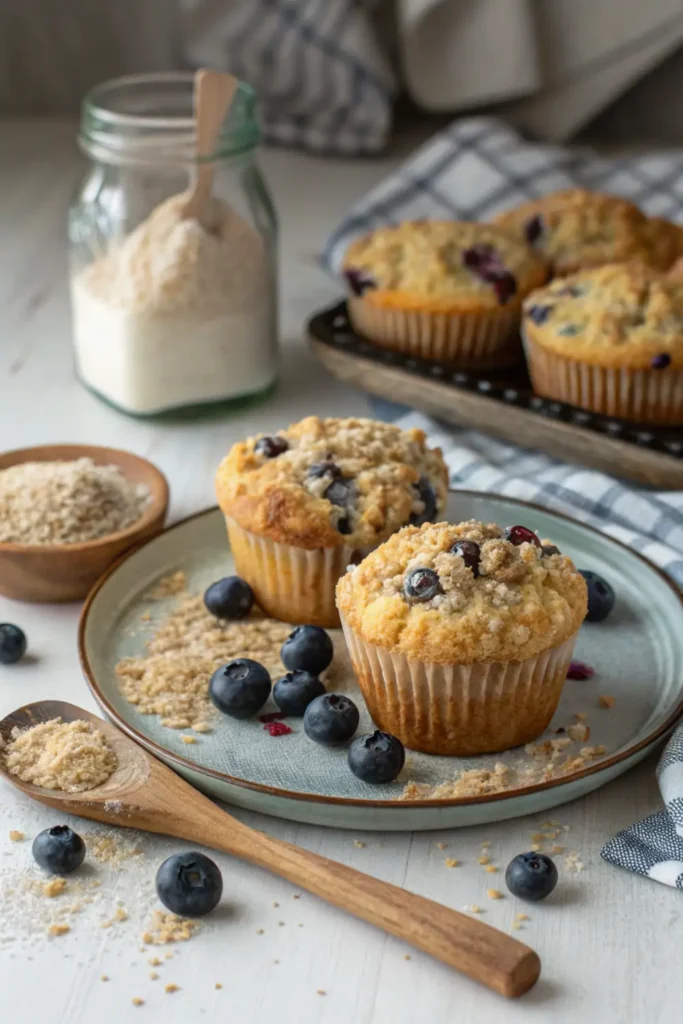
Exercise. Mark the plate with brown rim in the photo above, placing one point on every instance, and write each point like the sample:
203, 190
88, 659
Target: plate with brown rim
636, 655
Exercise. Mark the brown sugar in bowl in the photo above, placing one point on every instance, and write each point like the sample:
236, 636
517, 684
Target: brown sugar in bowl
65, 572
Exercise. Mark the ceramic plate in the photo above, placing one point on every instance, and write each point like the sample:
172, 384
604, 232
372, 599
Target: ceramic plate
636, 653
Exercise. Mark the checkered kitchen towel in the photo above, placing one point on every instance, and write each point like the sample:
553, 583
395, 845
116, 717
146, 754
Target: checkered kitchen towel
473, 170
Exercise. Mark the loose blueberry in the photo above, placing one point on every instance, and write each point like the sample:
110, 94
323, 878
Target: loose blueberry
421, 585
533, 229
295, 691
531, 876
377, 758
12, 643
549, 549
307, 649
320, 469
469, 552
240, 688
539, 314
58, 850
580, 670
189, 884
428, 498
661, 361
229, 598
359, 281
331, 719
601, 597
520, 535
271, 447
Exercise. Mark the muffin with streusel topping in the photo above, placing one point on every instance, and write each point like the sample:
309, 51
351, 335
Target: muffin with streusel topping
442, 290
610, 340
303, 504
577, 229
460, 635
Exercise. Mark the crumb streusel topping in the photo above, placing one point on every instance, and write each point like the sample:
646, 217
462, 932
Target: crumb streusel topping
576, 228
436, 262
623, 315
332, 482
512, 603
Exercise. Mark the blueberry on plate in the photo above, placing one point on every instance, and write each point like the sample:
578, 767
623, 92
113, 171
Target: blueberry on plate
229, 598
531, 876
58, 850
428, 498
240, 688
189, 884
271, 447
295, 691
421, 585
376, 758
307, 648
600, 596
12, 643
331, 719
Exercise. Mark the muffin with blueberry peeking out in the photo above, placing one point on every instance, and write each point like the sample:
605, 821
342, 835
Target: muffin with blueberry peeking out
577, 229
461, 635
610, 340
442, 290
303, 504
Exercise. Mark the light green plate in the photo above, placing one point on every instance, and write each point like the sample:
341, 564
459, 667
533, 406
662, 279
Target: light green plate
636, 653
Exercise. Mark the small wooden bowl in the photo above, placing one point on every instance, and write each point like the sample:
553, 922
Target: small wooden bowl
57, 573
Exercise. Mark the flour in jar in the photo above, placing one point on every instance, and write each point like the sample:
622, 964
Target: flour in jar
178, 313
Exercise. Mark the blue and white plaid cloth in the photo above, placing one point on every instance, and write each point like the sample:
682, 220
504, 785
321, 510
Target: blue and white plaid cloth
473, 170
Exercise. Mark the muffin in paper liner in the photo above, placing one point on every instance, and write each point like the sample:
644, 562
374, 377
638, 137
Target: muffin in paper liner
484, 339
641, 395
290, 583
459, 710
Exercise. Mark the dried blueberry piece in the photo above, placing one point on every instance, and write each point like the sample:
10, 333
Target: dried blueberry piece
428, 498
533, 228
470, 553
661, 361
421, 585
549, 549
270, 447
539, 314
320, 469
479, 255
521, 535
344, 526
504, 285
359, 281
580, 670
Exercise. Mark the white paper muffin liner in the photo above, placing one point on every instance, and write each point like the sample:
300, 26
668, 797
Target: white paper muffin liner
459, 710
289, 583
644, 396
480, 339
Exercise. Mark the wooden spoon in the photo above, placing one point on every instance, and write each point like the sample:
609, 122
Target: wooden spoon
144, 794
213, 94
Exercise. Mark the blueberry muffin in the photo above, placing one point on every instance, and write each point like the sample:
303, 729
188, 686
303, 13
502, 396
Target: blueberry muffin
442, 290
303, 504
461, 635
610, 340
577, 229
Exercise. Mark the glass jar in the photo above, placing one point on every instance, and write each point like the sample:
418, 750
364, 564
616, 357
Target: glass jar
169, 313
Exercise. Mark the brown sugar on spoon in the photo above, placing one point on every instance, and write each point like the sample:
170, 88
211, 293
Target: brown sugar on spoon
69, 756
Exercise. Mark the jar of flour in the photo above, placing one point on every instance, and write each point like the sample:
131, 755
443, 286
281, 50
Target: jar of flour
167, 312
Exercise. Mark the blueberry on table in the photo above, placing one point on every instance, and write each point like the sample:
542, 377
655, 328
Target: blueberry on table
58, 850
295, 691
521, 535
12, 643
331, 719
470, 553
271, 447
600, 596
240, 688
307, 648
376, 758
531, 876
421, 585
428, 498
229, 598
189, 884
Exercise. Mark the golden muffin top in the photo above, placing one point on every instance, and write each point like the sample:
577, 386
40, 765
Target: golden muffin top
458, 594
328, 482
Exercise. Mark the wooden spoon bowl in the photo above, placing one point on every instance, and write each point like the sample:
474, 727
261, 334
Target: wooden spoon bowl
66, 572
144, 794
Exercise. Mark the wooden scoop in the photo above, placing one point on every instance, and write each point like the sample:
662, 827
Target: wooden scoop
144, 794
213, 94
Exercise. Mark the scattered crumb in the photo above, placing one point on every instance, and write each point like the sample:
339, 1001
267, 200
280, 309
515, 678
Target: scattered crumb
573, 862
112, 847
188, 739
491, 869
259, 931
494, 894
606, 701
473, 908
321, 992
300, 924
359, 844
535, 847
58, 929
581, 716
281, 924
145, 617
218, 985
154, 961
171, 988
296, 896
119, 915
153, 975
486, 843
54, 887
483, 859
451, 862
104, 977
16, 836
579, 732
537, 837
516, 926
169, 586
441, 846
275, 903
557, 849
165, 928
522, 917
136, 1001
201, 727
407, 956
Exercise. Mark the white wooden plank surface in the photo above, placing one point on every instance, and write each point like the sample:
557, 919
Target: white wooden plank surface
610, 943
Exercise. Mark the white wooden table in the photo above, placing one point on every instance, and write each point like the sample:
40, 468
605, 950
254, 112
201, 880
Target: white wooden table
610, 943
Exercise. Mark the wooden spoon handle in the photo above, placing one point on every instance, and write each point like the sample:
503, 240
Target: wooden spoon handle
478, 950
213, 94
